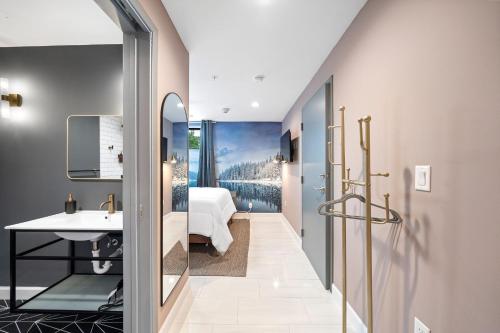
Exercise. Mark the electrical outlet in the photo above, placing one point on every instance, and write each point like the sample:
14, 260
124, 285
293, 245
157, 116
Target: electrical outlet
420, 327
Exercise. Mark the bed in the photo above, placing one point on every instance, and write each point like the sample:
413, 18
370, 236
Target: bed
210, 212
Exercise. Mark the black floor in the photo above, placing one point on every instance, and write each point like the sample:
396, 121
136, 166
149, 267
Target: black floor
61, 323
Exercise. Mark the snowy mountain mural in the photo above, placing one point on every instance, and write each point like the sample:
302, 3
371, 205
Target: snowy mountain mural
263, 171
244, 153
179, 169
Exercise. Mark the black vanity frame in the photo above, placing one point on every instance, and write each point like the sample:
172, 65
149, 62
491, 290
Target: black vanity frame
72, 258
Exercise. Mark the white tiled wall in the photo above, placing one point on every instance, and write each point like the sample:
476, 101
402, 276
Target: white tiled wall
111, 134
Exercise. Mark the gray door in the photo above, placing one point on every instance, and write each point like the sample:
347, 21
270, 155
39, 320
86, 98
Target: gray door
315, 183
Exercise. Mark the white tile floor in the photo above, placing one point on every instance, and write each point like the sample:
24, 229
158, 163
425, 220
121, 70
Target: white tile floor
281, 293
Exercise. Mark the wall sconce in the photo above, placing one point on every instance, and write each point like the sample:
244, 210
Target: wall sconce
173, 160
8, 100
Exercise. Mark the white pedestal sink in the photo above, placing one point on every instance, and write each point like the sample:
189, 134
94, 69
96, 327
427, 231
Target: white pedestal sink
84, 219
85, 225
79, 292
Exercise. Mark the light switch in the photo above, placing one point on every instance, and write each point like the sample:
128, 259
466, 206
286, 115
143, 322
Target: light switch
420, 327
423, 178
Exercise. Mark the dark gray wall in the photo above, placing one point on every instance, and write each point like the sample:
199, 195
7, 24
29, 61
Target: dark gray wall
55, 82
83, 146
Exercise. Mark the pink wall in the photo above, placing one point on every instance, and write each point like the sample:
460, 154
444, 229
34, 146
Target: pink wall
172, 63
429, 74
291, 193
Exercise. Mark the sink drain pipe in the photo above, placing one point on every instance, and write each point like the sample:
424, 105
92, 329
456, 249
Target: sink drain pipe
96, 265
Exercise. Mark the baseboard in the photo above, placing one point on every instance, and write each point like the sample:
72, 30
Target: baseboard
354, 320
21, 292
290, 229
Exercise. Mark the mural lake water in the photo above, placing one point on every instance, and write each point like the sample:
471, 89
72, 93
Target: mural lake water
265, 197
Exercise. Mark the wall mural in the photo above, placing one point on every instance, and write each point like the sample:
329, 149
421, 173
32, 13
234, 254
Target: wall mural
180, 168
244, 153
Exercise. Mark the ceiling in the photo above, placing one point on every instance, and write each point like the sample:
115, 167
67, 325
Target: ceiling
235, 40
173, 109
55, 22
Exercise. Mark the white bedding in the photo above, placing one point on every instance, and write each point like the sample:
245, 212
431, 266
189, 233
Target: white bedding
210, 209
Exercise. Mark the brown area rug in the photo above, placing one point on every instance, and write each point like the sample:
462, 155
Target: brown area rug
175, 261
204, 260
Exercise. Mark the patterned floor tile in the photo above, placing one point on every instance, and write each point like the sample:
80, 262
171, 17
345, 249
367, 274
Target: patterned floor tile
60, 323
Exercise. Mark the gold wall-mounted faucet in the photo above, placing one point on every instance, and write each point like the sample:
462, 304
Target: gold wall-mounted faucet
110, 203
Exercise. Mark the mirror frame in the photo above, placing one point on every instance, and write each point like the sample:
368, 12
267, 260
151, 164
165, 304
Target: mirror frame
161, 197
67, 149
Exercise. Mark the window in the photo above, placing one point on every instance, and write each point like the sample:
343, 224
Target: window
194, 155
194, 138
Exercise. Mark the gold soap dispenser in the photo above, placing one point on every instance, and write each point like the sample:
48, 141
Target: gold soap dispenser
70, 204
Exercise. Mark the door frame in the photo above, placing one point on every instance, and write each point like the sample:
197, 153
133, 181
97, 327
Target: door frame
139, 176
329, 183
330, 119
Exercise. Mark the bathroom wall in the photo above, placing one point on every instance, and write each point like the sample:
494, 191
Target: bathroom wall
86, 142
111, 135
55, 82
429, 74
172, 75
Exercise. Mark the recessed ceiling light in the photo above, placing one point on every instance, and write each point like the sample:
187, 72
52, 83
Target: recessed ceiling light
180, 105
226, 110
255, 104
259, 78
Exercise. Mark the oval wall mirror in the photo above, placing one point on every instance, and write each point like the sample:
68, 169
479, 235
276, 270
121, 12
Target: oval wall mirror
174, 193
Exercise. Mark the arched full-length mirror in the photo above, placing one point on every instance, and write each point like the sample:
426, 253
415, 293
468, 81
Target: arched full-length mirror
174, 193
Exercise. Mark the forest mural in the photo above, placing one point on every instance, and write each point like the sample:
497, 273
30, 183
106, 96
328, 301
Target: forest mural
244, 153
180, 168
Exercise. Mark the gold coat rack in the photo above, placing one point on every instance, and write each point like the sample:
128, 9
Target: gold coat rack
347, 185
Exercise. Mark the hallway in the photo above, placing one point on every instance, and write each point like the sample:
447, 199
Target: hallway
281, 292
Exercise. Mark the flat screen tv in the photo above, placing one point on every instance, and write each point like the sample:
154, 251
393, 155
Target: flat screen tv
164, 150
286, 147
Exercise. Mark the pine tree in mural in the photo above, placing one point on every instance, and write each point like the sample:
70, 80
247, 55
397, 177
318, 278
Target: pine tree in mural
179, 185
180, 170
263, 171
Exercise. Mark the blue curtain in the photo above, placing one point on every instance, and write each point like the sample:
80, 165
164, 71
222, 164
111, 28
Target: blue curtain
206, 165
